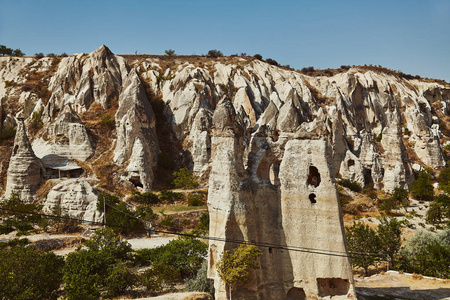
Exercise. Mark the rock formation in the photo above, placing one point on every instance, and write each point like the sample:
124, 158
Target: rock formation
25, 171
279, 195
74, 198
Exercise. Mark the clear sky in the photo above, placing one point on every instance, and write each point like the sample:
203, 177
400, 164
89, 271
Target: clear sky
410, 35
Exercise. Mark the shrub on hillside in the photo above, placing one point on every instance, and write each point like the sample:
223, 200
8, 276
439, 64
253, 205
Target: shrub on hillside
421, 188
352, 185
195, 199
215, 53
184, 179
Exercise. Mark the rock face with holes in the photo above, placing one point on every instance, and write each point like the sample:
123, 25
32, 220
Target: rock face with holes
280, 194
25, 171
74, 198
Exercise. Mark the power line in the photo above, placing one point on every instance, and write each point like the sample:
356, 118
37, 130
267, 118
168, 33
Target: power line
259, 244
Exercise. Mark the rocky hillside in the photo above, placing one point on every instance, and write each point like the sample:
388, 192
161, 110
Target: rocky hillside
121, 120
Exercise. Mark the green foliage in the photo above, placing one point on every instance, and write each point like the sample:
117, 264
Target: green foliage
200, 283
21, 217
10, 52
234, 266
185, 255
203, 222
8, 83
258, 56
184, 179
118, 215
215, 53
167, 221
421, 188
362, 239
439, 210
272, 62
108, 121
444, 179
195, 199
7, 134
398, 199
378, 138
98, 269
389, 234
147, 198
26, 273
36, 120
170, 52
159, 277
427, 254
352, 185
170, 196
109, 244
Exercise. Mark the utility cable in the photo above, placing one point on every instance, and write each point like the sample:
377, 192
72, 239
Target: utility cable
259, 244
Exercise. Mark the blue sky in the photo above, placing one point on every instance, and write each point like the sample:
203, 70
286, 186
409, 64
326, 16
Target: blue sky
410, 35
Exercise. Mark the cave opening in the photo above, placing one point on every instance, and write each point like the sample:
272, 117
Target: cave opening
313, 176
312, 198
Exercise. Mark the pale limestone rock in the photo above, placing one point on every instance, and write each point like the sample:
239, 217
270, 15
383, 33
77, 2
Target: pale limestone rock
268, 197
200, 138
65, 137
74, 198
25, 171
84, 79
135, 121
352, 169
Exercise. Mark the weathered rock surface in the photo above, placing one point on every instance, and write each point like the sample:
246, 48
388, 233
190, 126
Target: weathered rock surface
74, 198
66, 137
281, 194
25, 171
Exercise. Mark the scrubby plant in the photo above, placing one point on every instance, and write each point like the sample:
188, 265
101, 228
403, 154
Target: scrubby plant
421, 188
26, 273
36, 120
195, 199
159, 277
272, 62
200, 283
108, 120
184, 179
352, 185
215, 53
170, 52
258, 56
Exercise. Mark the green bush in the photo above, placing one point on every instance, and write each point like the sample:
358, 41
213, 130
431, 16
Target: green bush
444, 179
203, 222
258, 56
421, 188
378, 138
108, 121
159, 277
167, 221
195, 199
170, 196
36, 120
170, 52
99, 269
26, 273
352, 185
184, 179
147, 198
215, 53
200, 283
438, 210
185, 255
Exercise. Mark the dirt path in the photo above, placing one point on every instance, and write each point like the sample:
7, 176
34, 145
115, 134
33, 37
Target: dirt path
393, 285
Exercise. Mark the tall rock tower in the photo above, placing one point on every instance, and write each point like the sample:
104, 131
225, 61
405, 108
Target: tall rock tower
280, 194
25, 171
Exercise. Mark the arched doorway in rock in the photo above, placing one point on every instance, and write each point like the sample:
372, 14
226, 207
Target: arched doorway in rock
296, 294
313, 177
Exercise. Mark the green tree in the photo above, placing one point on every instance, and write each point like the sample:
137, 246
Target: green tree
98, 269
215, 53
439, 209
362, 243
421, 188
170, 52
26, 273
444, 180
390, 236
184, 179
234, 266
159, 277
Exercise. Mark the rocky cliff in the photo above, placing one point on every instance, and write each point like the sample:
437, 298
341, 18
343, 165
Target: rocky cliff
269, 142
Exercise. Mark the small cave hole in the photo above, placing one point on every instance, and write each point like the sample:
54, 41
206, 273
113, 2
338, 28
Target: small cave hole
136, 181
350, 163
270, 250
296, 294
313, 176
312, 198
